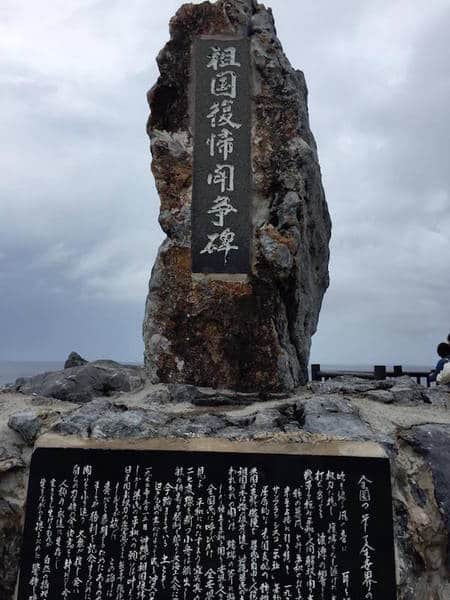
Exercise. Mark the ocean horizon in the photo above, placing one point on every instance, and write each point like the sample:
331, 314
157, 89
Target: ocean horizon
11, 370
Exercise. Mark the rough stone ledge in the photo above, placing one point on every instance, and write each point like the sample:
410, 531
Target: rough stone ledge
83, 381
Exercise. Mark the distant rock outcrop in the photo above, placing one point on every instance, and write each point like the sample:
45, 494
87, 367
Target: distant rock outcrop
82, 383
251, 335
75, 360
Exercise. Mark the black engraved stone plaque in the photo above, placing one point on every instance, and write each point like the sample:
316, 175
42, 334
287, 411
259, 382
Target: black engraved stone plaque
221, 194
178, 525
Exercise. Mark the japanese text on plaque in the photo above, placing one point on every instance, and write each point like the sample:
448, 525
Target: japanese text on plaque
191, 529
221, 187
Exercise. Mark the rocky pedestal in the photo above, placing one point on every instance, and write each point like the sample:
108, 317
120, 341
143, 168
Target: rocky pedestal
409, 422
249, 333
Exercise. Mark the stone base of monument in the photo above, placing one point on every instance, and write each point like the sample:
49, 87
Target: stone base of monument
344, 419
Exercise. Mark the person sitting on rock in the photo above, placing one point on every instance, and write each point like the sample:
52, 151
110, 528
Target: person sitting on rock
443, 351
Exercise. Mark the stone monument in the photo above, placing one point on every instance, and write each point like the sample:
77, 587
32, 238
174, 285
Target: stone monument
237, 286
143, 491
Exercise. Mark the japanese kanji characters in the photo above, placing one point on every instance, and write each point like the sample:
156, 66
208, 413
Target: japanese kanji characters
222, 58
367, 551
220, 242
221, 115
223, 146
190, 531
223, 176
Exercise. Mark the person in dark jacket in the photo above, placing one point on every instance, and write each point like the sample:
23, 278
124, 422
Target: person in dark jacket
443, 351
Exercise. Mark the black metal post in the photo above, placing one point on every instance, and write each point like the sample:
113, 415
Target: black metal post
379, 371
315, 373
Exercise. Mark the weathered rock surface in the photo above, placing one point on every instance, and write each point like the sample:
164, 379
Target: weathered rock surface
333, 417
15, 453
347, 384
82, 383
253, 335
432, 441
415, 436
29, 423
396, 390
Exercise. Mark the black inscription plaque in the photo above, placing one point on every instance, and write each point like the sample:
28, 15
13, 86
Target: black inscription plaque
171, 525
221, 230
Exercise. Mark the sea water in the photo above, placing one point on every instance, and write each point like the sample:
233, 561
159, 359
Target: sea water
11, 370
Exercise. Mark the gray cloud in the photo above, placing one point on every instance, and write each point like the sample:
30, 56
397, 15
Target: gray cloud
78, 207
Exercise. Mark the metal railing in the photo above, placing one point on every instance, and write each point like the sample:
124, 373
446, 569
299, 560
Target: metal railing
379, 372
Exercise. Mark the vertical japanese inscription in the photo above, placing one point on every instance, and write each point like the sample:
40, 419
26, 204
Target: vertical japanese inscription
221, 194
171, 525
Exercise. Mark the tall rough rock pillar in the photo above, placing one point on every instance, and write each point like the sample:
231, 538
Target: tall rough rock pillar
250, 333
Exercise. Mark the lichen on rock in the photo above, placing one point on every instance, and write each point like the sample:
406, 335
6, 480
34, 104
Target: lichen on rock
253, 334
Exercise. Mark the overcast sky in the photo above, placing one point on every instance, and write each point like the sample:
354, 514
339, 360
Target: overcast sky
78, 206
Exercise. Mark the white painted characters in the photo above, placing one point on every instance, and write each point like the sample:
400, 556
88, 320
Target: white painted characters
220, 209
222, 143
223, 176
220, 242
367, 551
189, 532
221, 115
221, 58
223, 146
224, 84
